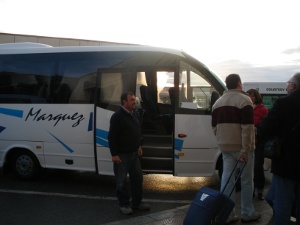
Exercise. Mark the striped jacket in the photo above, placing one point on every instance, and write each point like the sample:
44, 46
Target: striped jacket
233, 122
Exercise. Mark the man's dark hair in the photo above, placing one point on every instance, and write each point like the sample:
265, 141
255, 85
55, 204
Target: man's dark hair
232, 81
124, 96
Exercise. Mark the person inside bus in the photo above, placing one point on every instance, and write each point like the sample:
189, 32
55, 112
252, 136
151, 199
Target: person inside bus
283, 121
124, 142
233, 125
260, 111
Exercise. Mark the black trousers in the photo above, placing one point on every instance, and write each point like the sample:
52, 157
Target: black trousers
259, 174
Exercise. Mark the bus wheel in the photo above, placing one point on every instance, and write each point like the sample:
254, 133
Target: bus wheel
25, 165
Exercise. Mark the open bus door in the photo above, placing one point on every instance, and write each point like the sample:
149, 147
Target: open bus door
195, 146
178, 140
156, 127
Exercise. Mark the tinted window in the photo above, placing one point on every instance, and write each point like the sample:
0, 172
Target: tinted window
24, 76
64, 77
112, 85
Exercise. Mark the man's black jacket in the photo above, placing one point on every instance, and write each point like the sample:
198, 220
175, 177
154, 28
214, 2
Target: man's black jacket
281, 120
124, 133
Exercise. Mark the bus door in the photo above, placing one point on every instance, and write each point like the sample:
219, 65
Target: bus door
195, 146
111, 83
154, 90
153, 108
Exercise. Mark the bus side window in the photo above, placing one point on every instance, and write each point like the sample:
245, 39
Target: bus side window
77, 81
84, 91
112, 85
140, 81
194, 90
22, 77
165, 81
6, 85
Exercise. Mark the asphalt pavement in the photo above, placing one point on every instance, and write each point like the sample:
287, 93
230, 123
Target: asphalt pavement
176, 216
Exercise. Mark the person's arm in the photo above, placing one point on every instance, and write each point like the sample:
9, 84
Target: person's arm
247, 125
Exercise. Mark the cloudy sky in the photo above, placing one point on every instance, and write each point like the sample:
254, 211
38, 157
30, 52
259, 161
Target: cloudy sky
259, 39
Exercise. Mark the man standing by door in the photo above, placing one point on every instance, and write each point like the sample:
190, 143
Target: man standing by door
124, 143
233, 125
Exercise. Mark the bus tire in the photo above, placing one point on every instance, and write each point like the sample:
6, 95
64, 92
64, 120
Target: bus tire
25, 165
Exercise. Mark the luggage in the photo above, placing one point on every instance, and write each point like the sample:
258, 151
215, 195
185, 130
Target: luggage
211, 206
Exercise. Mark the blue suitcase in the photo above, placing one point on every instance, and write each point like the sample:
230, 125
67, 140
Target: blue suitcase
210, 206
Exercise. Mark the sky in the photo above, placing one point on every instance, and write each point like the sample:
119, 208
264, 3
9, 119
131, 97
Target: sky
258, 39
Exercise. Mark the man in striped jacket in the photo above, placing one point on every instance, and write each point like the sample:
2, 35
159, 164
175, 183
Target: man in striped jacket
233, 125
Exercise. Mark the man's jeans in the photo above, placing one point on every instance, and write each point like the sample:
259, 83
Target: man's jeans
130, 165
229, 161
285, 192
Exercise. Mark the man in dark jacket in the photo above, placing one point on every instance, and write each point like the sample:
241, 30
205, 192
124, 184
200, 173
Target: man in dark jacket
281, 121
124, 143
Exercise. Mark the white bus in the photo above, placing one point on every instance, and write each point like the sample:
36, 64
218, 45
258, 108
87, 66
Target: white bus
269, 91
56, 104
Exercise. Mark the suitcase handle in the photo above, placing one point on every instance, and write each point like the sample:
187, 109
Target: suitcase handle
239, 175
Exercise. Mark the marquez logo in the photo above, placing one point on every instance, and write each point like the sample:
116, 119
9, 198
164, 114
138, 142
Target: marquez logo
38, 116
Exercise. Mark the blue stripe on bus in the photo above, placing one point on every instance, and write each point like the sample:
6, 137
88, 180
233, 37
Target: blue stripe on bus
102, 134
2, 129
90, 127
12, 112
101, 137
101, 141
178, 144
63, 144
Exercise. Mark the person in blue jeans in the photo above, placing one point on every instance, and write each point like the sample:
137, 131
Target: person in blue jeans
124, 143
270, 199
283, 121
233, 125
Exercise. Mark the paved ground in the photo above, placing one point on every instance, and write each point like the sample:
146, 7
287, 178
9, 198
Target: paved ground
176, 216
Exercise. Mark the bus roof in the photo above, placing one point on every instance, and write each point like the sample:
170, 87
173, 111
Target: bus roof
36, 48
32, 48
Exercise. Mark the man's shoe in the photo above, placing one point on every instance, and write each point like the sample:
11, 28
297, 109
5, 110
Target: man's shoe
254, 217
232, 219
293, 219
142, 206
126, 210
